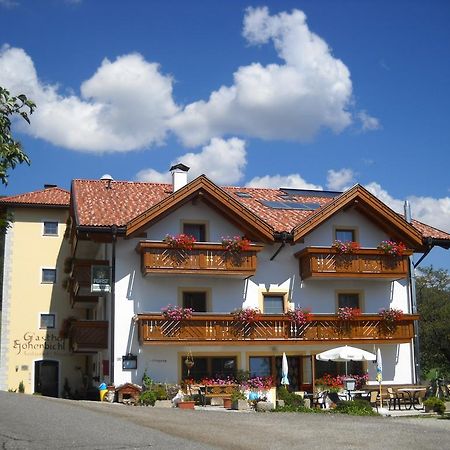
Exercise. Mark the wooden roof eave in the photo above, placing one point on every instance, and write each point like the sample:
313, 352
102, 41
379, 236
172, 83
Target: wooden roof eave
216, 197
369, 205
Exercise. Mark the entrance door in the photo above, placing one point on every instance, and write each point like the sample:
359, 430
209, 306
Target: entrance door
294, 374
46, 378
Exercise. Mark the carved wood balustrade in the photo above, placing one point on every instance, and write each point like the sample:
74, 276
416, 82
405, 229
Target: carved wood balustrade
210, 329
203, 259
323, 262
88, 336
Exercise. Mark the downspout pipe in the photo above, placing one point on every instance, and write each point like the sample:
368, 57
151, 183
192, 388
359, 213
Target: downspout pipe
284, 237
413, 302
113, 302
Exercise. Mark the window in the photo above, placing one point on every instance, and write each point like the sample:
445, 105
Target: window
345, 235
48, 276
260, 366
50, 228
195, 300
47, 321
198, 230
348, 300
273, 304
210, 367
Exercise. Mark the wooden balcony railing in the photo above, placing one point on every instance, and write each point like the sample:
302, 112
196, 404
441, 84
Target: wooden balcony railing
88, 336
210, 329
319, 262
80, 281
204, 259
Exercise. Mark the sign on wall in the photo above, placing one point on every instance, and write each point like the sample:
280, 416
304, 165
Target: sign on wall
100, 279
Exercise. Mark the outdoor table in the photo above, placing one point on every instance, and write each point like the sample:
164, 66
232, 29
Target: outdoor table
353, 394
412, 396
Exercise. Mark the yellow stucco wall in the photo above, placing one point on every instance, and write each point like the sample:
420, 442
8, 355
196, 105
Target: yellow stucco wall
27, 297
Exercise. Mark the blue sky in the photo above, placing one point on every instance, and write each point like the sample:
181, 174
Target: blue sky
310, 94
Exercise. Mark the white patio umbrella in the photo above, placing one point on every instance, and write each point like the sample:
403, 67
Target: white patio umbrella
284, 370
345, 354
379, 372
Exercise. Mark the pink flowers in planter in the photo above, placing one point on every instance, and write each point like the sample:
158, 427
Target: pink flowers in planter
391, 315
345, 247
347, 313
235, 244
392, 248
181, 241
258, 383
246, 315
298, 316
176, 313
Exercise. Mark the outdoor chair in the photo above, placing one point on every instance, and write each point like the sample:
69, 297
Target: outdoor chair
374, 398
395, 398
334, 397
318, 400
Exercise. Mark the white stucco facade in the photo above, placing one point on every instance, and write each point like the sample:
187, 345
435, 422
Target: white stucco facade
138, 294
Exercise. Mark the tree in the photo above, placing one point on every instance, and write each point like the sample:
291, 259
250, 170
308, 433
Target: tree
433, 301
11, 152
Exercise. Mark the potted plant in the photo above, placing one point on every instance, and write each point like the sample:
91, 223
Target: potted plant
392, 248
298, 316
235, 244
238, 400
434, 404
246, 315
345, 248
390, 318
347, 313
180, 241
188, 402
176, 313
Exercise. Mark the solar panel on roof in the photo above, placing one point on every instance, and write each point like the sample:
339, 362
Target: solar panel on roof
309, 206
310, 193
243, 194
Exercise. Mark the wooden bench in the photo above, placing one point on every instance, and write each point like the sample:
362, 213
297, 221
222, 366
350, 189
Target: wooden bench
216, 391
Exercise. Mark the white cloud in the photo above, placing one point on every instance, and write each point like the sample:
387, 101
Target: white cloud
123, 106
432, 211
368, 123
293, 100
288, 181
340, 180
222, 161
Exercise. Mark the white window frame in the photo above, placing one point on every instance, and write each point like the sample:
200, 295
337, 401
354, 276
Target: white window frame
42, 275
40, 320
50, 234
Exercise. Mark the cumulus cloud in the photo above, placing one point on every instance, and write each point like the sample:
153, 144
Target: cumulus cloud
123, 106
432, 211
368, 123
340, 180
223, 161
293, 101
288, 181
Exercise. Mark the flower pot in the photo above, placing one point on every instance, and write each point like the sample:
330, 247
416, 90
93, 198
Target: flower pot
189, 404
240, 405
227, 403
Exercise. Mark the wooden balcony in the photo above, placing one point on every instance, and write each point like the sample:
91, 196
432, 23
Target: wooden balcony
319, 262
204, 259
88, 336
221, 329
80, 281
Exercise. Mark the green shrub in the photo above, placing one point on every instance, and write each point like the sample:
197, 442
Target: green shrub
159, 390
290, 399
237, 394
355, 408
148, 398
435, 404
21, 388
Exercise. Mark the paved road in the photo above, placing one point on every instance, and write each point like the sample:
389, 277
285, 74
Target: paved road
28, 422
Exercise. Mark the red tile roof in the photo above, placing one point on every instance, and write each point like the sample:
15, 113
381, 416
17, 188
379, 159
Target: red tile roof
97, 205
52, 197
